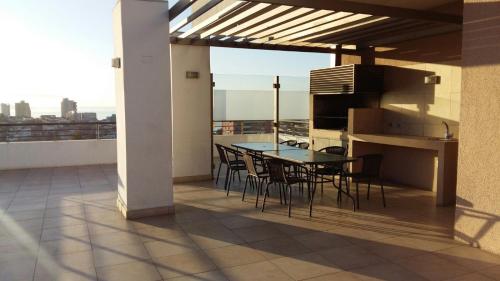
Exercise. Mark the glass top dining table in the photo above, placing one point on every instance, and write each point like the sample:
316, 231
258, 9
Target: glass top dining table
309, 159
264, 146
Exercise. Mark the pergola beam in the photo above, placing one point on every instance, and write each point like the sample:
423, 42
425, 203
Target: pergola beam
179, 8
371, 9
196, 14
249, 45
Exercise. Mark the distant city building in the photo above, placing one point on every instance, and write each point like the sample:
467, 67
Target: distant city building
5, 110
49, 117
86, 116
23, 110
68, 108
111, 118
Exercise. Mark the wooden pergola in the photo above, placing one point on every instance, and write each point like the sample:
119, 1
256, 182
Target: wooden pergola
325, 26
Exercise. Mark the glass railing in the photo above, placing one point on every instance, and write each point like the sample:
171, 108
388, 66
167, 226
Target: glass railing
17, 132
244, 104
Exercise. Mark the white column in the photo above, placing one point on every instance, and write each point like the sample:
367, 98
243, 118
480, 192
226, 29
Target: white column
191, 111
143, 107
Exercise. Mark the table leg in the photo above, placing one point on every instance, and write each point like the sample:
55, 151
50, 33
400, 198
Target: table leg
313, 189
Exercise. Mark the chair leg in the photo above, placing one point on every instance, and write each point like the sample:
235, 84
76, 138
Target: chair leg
382, 189
290, 201
368, 193
284, 192
245, 189
259, 190
218, 173
231, 174
357, 194
321, 186
239, 176
265, 196
227, 178
281, 196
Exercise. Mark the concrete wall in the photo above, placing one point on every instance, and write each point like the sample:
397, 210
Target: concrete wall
143, 107
42, 154
191, 109
419, 109
415, 108
478, 192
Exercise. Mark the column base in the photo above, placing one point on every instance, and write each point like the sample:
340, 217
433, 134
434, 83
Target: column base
142, 213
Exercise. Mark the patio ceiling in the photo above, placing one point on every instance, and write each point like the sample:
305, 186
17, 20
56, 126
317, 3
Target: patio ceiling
302, 25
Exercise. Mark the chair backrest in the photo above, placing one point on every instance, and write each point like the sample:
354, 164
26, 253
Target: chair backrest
289, 142
337, 150
250, 165
303, 145
276, 171
231, 153
222, 153
371, 164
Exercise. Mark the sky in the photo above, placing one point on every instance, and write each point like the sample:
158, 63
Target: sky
53, 49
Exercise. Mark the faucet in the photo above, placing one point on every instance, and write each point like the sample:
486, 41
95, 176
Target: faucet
447, 135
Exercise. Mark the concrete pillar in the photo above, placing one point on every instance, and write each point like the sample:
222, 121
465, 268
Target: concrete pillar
477, 211
192, 115
143, 107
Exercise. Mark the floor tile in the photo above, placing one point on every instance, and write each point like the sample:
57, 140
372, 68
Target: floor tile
351, 257
469, 257
172, 246
279, 247
184, 264
144, 271
118, 254
256, 271
305, 266
205, 276
234, 255
433, 267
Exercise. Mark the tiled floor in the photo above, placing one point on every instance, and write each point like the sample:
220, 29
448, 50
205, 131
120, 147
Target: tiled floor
62, 224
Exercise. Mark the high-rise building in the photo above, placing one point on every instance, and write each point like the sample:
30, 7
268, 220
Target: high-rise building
86, 116
5, 110
23, 109
68, 108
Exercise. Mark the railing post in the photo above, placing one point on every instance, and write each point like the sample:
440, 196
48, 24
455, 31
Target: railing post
276, 123
98, 132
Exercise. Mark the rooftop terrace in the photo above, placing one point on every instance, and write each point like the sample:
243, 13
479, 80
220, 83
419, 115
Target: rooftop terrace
62, 224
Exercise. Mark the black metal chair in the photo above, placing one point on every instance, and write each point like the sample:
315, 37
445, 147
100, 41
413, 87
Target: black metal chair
303, 145
277, 175
229, 157
331, 170
255, 178
370, 172
289, 142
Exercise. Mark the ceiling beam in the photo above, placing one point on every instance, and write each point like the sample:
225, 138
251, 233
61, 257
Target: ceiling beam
211, 20
179, 7
248, 45
371, 9
196, 14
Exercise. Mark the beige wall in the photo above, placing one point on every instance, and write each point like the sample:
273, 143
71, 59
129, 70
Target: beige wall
414, 107
478, 193
419, 109
191, 102
43, 154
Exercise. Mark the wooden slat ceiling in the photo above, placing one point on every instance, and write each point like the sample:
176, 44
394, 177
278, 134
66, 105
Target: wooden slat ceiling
302, 25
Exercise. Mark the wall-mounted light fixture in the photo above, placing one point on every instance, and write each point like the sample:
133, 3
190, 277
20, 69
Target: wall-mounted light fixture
432, 80
192, 75
116, 63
